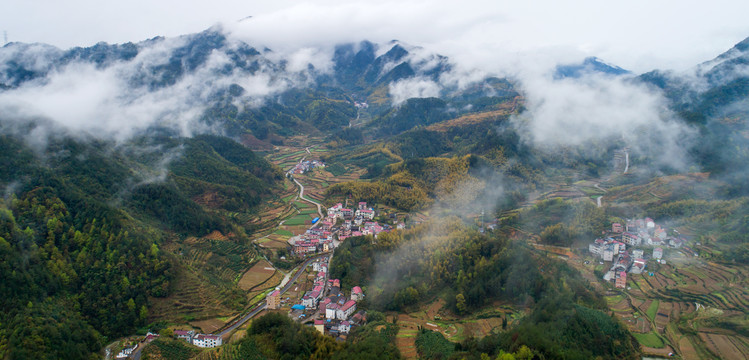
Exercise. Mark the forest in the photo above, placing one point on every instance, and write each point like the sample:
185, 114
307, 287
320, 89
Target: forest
469, 270
81, 233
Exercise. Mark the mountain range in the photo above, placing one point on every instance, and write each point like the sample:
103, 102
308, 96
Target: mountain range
117, 156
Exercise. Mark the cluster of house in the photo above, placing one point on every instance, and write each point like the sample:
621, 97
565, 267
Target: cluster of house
337, 313
199, 340
361, 105
355, 222
614, 248
646, 232
307, 165
128, 350
320, 238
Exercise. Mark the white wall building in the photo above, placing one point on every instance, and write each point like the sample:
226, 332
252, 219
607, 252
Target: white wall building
207, 341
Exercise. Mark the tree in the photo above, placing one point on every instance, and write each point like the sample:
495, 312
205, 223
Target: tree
460, 303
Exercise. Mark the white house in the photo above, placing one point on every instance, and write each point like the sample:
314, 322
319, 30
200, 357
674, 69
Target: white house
346, 310
331, 310
207, 341
126, 352
344, 327
608, 254
657, 253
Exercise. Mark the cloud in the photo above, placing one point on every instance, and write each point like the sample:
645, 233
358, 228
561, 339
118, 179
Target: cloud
402, 90
571, 112
128, 97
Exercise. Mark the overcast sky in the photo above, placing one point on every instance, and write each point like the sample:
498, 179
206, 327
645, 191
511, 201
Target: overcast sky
637, 35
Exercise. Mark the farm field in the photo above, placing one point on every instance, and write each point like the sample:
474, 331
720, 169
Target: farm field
454, 329
257, 275
684, 308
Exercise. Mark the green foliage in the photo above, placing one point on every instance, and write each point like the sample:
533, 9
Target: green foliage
168, 348
561, 222
404, 267
433, 345
374, 341
559, 234
414, 112
278, 337
96, 265
81, 257
559, 329
166, 203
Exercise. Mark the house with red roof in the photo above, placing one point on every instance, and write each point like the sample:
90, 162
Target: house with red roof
621, 280
357, 294
346, 310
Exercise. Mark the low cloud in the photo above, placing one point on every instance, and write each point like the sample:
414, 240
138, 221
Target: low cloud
118, 101
572, 112
405, 89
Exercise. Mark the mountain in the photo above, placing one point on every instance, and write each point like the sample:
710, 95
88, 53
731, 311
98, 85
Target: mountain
588, 66
117, 216
83, 225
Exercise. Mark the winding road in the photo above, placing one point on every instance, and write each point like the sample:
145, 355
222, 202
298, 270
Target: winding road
301, 196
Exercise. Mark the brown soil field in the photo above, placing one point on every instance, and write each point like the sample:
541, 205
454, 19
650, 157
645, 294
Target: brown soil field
686, 349
208, 326
658, 352
259, 273
274, 244
723, 346
406, 341
664, 308
216, 235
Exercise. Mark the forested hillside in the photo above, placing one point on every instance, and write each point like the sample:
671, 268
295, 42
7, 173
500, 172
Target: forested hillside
81, 233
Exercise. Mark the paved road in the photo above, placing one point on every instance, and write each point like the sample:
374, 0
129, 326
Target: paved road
261, 306
301, 196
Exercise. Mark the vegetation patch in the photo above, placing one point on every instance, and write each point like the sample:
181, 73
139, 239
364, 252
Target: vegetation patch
649, 339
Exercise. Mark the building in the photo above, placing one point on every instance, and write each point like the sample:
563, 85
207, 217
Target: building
617, 227
357, 294
126, 352
621, 280
608, 254
631, 239
660, 233
596, 248
365, 214
273, 300
638, 266
207, 341
657, 253
649, 225
331, 311
638, 253
344, 327
320, 326
362, 205
185, 335
346, 310
309, 302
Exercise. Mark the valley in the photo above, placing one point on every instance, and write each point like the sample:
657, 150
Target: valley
381, 204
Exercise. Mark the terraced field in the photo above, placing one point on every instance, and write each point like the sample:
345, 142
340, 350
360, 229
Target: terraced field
261, 272
669, 301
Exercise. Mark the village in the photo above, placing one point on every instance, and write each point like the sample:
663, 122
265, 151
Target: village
326, 306
634, 235
339, 224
